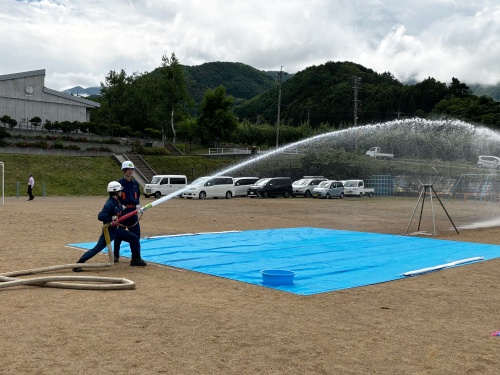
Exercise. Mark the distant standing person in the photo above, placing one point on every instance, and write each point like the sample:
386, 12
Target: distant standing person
31, 185
129, 198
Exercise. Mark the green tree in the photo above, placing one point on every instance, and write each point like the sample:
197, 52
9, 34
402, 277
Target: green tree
458, 89
188, 129
171, 96
36, 121
481, 109
5, 120
66, 126
217, 121
114, 91
12, 123
426, 94
49, 126
153, 100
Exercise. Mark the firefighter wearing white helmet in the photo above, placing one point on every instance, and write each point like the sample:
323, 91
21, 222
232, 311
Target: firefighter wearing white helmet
129, 199
127, 164
109, 214
114, 186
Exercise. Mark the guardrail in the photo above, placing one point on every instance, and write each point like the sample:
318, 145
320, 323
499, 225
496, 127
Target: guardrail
229, 151
248, 151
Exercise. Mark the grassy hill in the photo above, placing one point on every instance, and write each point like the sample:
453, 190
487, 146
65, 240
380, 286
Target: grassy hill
89, 176
241, 81
324, 93
318, 92
61, 175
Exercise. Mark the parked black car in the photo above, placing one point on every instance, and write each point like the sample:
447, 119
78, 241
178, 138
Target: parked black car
271, 187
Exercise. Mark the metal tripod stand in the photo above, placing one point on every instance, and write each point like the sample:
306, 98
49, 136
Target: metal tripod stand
428, 188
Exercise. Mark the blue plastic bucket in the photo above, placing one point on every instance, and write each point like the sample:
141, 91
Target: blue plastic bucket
277, 277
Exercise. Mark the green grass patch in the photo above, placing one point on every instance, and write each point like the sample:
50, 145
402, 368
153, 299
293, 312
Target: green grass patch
89, 176
59, 175
191, 166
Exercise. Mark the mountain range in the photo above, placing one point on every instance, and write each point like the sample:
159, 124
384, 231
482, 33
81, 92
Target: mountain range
241, 81
244, 82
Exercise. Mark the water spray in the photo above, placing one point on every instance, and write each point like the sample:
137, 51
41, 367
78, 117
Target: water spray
353, 134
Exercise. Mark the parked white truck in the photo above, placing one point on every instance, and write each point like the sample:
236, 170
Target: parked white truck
357, 188
375, 152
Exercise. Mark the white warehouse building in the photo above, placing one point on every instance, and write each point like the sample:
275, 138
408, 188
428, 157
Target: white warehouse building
24, 96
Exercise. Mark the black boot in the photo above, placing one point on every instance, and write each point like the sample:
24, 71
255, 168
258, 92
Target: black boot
78, 269
138, 262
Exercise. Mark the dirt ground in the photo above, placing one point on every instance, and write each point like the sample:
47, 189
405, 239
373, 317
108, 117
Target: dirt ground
182, 322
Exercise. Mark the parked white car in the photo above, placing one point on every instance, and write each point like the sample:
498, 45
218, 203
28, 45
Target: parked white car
211, 187
491, 162
329, 189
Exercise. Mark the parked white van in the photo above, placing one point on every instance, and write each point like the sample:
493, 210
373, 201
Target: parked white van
241, 185
164, 185
211, 187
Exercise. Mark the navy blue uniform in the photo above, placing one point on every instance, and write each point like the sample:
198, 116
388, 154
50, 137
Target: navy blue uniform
111, 208
129, 198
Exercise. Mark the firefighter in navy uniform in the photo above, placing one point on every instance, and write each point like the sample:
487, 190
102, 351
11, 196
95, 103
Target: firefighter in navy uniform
111, 211
129, 198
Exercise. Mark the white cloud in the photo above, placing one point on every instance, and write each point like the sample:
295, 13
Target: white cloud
78, 42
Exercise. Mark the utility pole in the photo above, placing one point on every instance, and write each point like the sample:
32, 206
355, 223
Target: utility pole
357, 83
279, 77
173, 127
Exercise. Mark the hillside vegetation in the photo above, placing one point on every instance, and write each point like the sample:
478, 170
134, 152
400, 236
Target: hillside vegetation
325, 94
231, 74
318, 99
241, 81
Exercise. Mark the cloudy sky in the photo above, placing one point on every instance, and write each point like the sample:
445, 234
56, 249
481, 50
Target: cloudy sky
78, 42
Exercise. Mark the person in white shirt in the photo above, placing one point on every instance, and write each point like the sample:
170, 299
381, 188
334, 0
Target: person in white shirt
31, 184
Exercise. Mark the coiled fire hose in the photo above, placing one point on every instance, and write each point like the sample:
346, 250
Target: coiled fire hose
71, 282
86, 282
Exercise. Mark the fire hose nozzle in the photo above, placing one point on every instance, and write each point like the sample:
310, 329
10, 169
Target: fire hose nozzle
135, 212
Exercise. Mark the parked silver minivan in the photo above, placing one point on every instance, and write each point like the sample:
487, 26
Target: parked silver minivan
329, 189
241, 185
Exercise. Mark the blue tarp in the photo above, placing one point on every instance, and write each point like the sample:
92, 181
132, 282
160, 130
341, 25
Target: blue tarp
323, 259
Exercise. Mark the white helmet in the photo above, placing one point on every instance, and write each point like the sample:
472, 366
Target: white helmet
114, 186
127, 164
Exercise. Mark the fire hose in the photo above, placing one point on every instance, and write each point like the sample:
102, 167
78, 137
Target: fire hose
86, 282
71, 282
